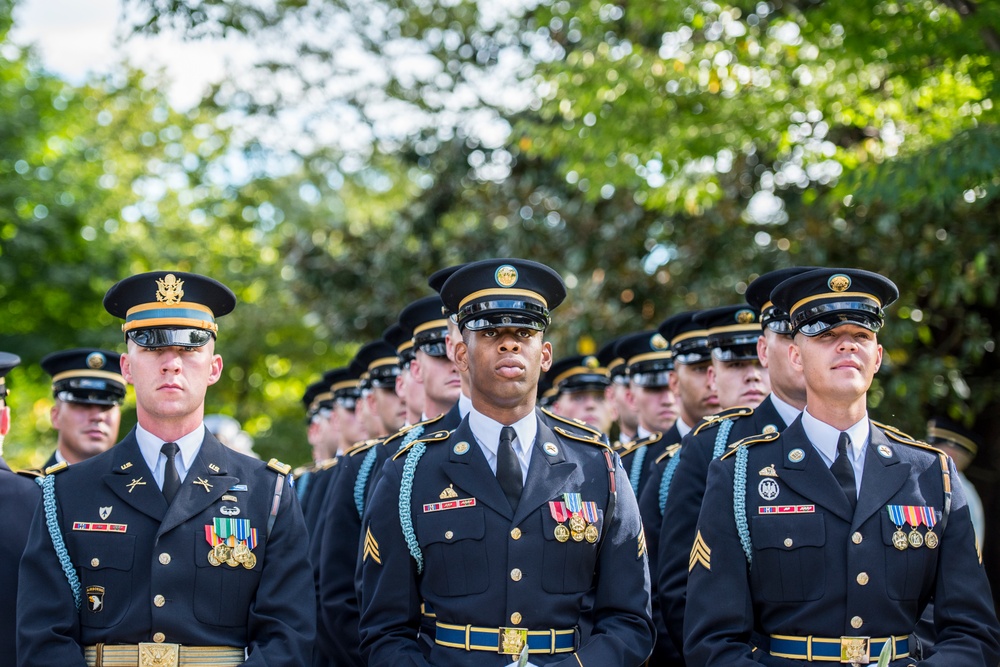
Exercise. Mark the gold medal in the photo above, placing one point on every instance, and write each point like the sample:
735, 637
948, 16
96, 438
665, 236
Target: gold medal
577, 524
250, 561
232, 563
931, 539
577, 535
212, 560
915, 539
591, 533
899, 540
561, 532
223, 552
240, 552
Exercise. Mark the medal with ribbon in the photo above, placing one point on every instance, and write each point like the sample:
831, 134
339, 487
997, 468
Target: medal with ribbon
574, 502
914, 517
930, 520
560, 513
590, 516
899, 537
215, 541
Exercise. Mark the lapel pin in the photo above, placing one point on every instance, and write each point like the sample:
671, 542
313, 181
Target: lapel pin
204, 483
134, 483
796, 455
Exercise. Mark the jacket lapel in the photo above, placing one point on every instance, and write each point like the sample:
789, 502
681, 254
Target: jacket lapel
806, 473
468, 469
207, 479
767, 415
547, 472
132, 481
883, 477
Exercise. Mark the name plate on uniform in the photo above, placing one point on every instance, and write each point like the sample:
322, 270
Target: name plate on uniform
100, 527
787, 509
449, 505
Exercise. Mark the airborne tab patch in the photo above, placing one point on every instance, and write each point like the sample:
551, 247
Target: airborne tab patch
700, 554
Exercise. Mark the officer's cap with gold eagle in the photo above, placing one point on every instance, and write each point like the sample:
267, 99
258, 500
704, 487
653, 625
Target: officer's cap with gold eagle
826, 298
86, 375
648, 359
578, 373
168, 308
504, 292
732, 332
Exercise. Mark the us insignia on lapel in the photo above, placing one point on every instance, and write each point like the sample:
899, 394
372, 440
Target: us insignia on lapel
371, 548
700, 554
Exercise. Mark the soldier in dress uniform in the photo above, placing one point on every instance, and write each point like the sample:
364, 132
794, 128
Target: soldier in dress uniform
323, 439
18, 497
825, 541
384, 412
408, 390
169, 548
88, 387
581, 383
961, 444
736, 373
682, 488
504, 541
626, 421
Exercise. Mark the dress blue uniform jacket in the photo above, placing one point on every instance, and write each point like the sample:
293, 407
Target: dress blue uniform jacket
687, 487
269, 609
18, 497
489, 566
829, 573
664, 652
338, 601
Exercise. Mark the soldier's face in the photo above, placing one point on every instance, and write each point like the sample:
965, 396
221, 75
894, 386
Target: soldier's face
504, 364
693, 387
171, 382
838, 364
389, 409
85, 430
787, 382
656, 406
740, 382
588, 406
439, 377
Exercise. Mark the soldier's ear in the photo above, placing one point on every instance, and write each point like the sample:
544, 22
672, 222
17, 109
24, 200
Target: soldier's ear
795, 356
462, 355
546, 355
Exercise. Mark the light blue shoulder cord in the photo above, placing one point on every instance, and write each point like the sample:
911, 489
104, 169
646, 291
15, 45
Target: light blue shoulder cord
405, 492
365, 471
48, 484
740, 502
668, 476
722, 438
635, 471
302, 485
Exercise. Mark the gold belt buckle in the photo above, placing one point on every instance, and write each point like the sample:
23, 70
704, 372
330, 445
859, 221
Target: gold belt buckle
512, 640
855, 650
159, 655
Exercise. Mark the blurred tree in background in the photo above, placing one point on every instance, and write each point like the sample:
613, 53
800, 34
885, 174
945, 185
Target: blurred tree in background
660, 155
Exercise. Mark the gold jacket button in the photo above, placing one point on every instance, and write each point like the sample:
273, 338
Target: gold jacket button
857, 622
94, 562
856, 538
515, 618
448, 535
159, 600
515, 534
515, 574
164, 558
863, 578
788, 542
159, 637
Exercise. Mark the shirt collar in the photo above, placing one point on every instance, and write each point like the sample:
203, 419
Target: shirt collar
682, 426
189, 444
787, 412
487, 431
824, 437
464, 405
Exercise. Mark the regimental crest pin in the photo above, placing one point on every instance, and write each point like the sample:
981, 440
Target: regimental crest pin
104, 512
448, 493
95, 598
768, 489
550, 448
884, 451
768, 471
796, 455
461, 448
770, 428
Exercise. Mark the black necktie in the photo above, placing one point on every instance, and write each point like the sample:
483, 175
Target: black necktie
171, 480
508, 467
844, 471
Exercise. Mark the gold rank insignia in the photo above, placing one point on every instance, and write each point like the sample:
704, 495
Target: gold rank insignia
768, 471
448, 493
371, 548
642, 543
700, 554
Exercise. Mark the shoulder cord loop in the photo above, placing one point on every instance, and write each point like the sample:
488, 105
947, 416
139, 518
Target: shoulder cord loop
635, 470
668, 476
405, 493
722, 438
740, 502
48, 484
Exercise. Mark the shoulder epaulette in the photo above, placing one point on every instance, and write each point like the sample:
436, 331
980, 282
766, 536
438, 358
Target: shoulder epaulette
30, 473
669, 453
905, 439
363, 446
892, 429
279, 467
575, 422
301, 470
591, 437
751, 440
326, 464
718, 418
437, 436
56, 467
650, 439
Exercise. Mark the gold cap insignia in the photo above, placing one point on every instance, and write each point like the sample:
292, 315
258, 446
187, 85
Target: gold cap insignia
796, 455
658, 342
461, 448
170, 289
449, 492
839, 283
506, 276
746, 316
768, 471
591, 362
96, 360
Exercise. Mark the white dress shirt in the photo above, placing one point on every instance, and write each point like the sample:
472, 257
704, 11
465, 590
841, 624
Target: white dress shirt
487, 432
824, 439
150, 445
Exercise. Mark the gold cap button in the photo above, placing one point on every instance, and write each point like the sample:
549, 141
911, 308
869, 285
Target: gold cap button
863, 578
788, 541
94, 562
159, 600
515, 618
448, 535
159, 637
856, 538
164, 559
515, 574
857, 622
515, 534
